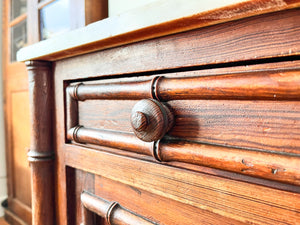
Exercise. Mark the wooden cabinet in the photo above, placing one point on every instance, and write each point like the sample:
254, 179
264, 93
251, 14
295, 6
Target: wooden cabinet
196, 127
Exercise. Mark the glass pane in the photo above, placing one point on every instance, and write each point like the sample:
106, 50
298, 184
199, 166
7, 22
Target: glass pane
55, 19
18, 7
18, 38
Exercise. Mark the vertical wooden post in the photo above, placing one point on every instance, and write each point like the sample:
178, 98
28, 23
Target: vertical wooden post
41, 154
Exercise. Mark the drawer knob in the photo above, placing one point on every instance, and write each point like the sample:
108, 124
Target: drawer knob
151, 120
139, 121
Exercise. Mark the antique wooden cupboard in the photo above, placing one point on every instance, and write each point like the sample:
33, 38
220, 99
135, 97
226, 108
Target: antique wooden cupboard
194, 120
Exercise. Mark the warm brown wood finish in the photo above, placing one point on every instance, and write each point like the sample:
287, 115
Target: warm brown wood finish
112, 139
111, 211
272, 85
95, 10
151, 120
3, 222
222, 100
41, 154
233, 199
254, 163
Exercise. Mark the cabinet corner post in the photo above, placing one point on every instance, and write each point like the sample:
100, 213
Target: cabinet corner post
41, 153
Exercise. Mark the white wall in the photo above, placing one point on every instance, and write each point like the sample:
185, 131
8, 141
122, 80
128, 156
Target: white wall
3, 187
116, 7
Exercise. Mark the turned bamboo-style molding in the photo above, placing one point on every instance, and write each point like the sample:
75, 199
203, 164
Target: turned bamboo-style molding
113, 139
260, 164
113, 212
267, 86
41, 154
246, 86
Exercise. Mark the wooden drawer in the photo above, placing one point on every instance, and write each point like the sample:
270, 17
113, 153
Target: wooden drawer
245, 123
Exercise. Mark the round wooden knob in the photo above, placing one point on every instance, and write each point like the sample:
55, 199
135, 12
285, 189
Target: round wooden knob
139, 121
151, 120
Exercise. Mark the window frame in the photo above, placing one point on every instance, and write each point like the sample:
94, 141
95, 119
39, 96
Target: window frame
83, 12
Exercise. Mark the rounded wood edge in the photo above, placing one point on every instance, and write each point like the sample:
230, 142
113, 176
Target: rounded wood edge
34, 156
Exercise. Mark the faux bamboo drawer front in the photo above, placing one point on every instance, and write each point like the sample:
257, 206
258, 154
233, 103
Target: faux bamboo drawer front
244, 122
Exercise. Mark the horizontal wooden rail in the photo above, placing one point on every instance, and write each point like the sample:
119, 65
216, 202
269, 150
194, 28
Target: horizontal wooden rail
255, 163
256, 85
111, 211
113, 139
267, 165
127, 90
266, 86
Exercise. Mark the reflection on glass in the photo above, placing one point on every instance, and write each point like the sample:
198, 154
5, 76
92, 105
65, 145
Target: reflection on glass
55, 19
18, 38
18, 7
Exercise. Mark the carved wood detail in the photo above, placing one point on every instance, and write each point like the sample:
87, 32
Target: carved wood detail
113, 212
278, 167
108, 138
151, 120
272, 85
41, 154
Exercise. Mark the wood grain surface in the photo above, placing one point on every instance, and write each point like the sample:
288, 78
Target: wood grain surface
41, 154
246, 124
237, 200
268, 85
250, 59
257, 39
255, 163
113, 212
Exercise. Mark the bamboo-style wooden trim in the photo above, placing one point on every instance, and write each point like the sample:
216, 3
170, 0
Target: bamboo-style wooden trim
268, 86
266, 165
261, 164
71, 107
41, 154
127, 90
111, 139
113, 212
246, 86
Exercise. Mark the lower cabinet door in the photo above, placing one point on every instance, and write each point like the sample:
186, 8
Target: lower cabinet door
93, 199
